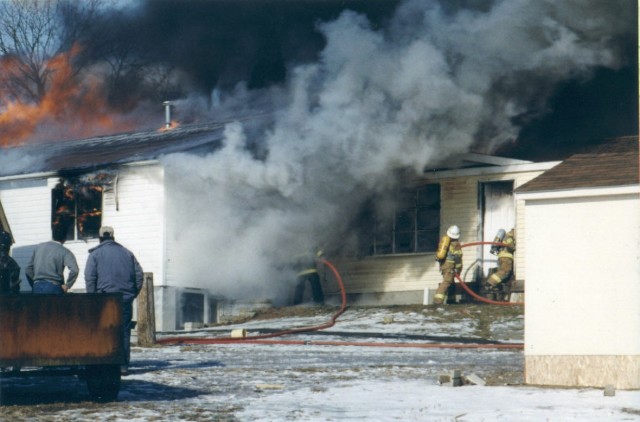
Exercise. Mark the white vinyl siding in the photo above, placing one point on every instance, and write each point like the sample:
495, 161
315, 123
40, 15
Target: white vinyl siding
27, 205
135, 209
386, 273
460, 207
138, 218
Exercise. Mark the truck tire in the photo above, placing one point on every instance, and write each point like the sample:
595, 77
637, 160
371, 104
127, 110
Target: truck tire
103, 382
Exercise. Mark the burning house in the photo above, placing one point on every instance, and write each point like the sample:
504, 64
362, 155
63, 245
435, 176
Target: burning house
113, 180
217, 210
127, 181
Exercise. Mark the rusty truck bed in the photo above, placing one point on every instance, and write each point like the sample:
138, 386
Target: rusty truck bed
54, 330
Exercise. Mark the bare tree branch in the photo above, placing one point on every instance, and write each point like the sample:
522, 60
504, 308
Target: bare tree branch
32, 33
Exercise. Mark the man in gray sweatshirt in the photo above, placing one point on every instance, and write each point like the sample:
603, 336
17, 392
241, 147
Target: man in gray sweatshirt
45, 270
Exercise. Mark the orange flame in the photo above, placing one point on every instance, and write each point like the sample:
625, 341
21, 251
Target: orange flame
75, 107
172, 125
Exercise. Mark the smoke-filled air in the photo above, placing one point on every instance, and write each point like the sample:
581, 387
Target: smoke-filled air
430, 84
351, 96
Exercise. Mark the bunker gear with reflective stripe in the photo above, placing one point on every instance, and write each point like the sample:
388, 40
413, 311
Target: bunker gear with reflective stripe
510, 246
449, 266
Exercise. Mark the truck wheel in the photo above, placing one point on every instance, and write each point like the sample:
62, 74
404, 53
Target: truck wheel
103, 382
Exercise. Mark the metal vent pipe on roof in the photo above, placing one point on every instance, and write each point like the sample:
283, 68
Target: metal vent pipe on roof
167, 114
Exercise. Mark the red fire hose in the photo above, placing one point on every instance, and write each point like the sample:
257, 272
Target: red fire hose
471, 292
328, 324
260, 339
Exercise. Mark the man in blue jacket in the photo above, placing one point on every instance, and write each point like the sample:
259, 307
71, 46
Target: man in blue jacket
112, 268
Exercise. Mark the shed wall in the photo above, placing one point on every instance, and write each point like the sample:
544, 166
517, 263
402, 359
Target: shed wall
582, 314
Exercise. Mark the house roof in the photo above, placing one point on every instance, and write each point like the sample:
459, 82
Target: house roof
611, 163
123, 148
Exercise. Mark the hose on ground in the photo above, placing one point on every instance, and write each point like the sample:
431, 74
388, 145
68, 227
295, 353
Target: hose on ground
262, 338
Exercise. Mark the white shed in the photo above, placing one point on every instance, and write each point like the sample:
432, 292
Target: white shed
582, 318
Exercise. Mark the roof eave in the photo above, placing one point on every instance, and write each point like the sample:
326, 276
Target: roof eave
481, 171
89, 169
579, 192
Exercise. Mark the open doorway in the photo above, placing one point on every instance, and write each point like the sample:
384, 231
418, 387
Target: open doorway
497, 212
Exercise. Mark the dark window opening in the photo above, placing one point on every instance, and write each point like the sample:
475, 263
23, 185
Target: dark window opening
78, 208
192, 307
416, 224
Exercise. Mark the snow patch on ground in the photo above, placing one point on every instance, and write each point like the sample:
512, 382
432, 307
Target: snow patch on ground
312, 382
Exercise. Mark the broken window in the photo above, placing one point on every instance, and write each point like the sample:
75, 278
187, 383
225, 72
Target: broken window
78, 208
416, 224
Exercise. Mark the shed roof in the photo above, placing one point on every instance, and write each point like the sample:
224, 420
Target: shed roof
611, 163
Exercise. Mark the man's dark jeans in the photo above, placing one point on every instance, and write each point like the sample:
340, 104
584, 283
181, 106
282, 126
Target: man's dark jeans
47, 287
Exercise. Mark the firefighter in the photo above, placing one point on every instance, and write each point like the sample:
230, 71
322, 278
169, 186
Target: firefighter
308, 272
449, 256
504, 252
9, 268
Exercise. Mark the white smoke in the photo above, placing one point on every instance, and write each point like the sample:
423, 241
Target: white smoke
16, 161
433, 83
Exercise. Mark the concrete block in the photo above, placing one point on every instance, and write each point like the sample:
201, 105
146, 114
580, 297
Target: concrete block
452, 379
444, 379
190, 326
609, 390
474, 379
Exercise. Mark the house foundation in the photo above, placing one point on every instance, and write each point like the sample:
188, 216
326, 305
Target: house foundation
180, 308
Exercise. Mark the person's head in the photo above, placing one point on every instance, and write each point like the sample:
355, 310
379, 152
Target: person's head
5, 241
453, 232
59, 233
105, 233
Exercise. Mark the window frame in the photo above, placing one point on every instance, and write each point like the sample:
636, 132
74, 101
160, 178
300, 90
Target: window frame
407, 227
67, 209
